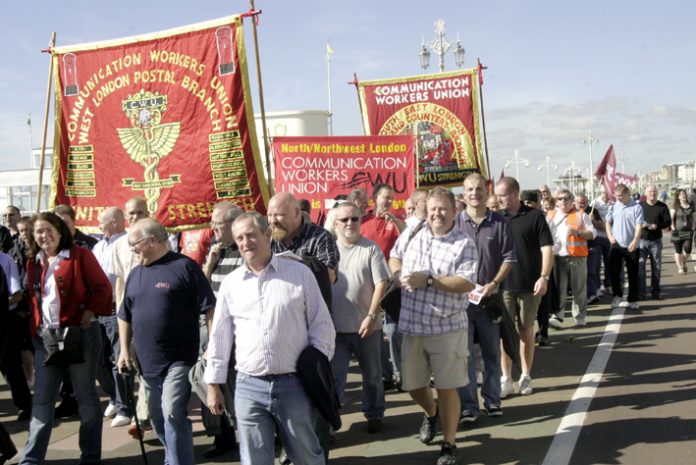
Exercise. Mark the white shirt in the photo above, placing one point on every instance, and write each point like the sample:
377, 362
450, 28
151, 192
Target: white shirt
272, 317
103, 250
122, 262
50, 301
560, 230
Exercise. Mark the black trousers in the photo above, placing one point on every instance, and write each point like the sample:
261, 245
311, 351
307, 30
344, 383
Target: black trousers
617, 258
11, 332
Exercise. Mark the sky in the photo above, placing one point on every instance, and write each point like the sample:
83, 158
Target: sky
557, 70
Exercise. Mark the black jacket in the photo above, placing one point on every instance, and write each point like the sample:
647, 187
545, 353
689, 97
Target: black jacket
314, 371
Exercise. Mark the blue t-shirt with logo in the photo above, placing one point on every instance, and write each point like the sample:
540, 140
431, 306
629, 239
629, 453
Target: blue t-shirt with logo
163, 302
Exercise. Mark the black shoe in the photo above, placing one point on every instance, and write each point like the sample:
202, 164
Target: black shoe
221, 445
374, 425
448, 454
656, 296
593, 300
24, 415
67, 408
428, 428
494, 411
388, 385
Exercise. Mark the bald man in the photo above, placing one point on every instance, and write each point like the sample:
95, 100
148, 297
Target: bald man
318, 249
112, 224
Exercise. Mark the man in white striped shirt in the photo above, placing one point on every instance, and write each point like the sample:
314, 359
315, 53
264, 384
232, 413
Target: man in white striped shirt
271, 308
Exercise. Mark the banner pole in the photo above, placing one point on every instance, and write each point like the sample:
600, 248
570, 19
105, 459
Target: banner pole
355, 82
45, 123
266, 146
483, 116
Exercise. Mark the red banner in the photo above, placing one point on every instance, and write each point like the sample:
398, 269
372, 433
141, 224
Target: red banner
320, 168
166, 116
442, 110
606, 170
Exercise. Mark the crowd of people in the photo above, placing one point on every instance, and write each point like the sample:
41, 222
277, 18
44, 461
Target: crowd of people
259, 316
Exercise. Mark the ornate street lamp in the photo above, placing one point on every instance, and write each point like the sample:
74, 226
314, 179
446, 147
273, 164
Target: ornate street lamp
440, 45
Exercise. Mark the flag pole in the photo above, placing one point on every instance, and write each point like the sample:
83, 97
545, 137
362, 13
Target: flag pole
45, 123
266, 145
356, 83
480, 68
329, 52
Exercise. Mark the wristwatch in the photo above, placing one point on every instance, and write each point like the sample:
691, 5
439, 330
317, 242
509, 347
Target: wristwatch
373, 316
545, 277
429, 281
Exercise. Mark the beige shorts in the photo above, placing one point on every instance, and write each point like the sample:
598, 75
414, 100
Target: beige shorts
522, 306
443, 355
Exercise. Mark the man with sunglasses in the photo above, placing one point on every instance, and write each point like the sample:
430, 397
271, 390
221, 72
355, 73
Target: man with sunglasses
571, 229
362, 281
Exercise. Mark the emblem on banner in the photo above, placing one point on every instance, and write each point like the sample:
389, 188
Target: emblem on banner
147, 142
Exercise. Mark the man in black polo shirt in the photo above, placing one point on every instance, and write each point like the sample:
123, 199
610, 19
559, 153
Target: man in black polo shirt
528, 279
655, 218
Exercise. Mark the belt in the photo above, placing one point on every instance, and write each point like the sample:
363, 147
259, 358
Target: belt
274, 377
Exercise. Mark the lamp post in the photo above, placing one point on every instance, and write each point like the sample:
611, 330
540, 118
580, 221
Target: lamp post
548, 165
570, 174
589, 141
440, 45
517, 161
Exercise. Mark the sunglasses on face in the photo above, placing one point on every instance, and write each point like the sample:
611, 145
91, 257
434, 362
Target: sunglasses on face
354, 219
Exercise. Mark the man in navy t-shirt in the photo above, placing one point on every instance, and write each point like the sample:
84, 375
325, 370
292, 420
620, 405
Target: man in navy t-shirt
163, 299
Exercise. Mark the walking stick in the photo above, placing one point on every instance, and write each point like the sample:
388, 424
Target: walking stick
124, 374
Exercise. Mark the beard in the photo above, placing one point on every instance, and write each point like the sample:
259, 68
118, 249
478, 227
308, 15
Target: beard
278, 234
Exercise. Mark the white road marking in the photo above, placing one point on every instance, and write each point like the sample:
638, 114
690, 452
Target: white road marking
566, 436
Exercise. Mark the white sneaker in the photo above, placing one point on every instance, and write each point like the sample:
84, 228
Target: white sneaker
616, 303
634, 306
525, 385
581, 322
506, 387
110, 411
555, 322
600, 293
624, 304
120, 420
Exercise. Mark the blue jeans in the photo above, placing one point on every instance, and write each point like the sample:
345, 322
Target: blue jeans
391, 366
652, 250
487, 334
46, 386
367, 351
167, 400
265, 404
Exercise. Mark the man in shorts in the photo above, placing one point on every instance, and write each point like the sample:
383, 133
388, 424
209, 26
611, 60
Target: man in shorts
435, 269
526, 284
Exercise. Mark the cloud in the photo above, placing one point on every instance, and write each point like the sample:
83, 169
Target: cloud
675, 114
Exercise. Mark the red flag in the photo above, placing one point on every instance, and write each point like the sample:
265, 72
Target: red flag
607, 171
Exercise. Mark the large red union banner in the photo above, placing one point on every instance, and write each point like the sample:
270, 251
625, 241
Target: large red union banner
441, 110
320, 168
165, 116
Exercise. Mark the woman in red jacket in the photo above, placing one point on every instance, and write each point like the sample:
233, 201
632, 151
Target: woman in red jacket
67, 288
